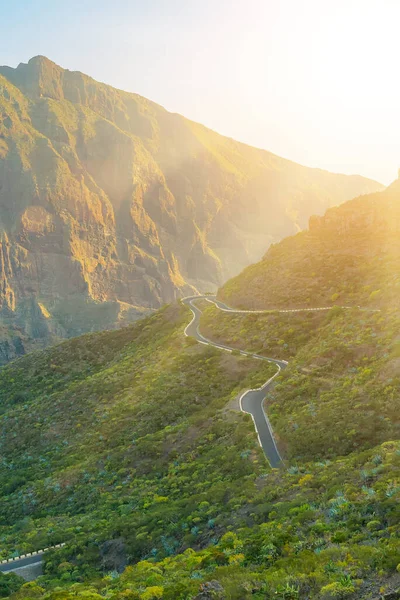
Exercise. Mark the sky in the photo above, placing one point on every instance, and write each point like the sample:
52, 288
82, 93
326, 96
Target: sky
315, 81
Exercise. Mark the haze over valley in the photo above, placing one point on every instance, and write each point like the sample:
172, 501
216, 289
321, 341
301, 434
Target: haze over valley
110, 206
199, 338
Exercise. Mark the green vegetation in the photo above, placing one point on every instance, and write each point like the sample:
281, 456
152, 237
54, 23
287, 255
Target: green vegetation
273, 334
306, 532
128, 445
135, 424
351, 256
340, 391
9, 583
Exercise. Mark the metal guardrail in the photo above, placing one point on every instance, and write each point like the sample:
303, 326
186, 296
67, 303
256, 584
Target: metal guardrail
30, 554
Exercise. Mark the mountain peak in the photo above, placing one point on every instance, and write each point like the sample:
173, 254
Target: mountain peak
39, 59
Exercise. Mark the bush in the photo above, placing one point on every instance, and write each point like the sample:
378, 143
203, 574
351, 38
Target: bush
9, 583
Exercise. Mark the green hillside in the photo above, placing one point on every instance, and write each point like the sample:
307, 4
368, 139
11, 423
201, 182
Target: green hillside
111, 206
341, 390
129, 446
350, 256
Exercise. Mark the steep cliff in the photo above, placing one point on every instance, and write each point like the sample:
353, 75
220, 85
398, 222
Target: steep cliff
349, 256
110, 205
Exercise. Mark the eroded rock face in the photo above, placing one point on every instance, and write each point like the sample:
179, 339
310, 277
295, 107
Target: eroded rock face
111, 206
113, 555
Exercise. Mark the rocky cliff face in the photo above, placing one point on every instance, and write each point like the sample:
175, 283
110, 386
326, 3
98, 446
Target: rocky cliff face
110, 205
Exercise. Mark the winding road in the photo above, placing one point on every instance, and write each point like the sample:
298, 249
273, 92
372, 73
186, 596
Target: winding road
252, 401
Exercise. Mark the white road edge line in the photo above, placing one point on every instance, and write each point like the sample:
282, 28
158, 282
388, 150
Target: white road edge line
276, 362
243, 353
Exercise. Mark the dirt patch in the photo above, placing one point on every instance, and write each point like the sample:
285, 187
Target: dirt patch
391, 369
233, 404
236, 366
382, 589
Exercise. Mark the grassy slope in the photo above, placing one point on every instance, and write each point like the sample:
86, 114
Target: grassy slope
341, 390
127, 446
351, 256
121, 424
127, 436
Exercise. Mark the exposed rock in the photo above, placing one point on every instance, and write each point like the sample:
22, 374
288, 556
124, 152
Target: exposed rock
109, 201
113, 555
211, 590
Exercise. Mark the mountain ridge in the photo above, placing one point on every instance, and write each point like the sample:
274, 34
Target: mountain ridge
42, 58
111, 206
359, 237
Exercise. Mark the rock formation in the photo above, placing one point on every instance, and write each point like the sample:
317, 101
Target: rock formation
111, 206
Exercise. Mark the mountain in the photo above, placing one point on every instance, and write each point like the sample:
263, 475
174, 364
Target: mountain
111, 206
341, 389
350, 256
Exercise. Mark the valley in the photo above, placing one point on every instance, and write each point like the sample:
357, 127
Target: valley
199, 355
131, 447
111, 206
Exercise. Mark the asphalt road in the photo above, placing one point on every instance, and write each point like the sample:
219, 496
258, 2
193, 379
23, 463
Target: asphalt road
26, 561
21, 562
251, 401
226, 308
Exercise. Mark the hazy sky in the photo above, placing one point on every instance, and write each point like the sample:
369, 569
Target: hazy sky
316, 81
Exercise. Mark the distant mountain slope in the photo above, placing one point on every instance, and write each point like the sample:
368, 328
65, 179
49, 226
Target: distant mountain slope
349, 256
110, 205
